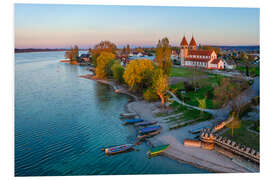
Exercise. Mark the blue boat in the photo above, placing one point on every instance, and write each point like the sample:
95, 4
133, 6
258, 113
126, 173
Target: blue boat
146, 123
118, 149
132, 121
149, 129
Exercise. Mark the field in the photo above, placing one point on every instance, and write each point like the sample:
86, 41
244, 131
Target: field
185, 72
243, 136
182, 116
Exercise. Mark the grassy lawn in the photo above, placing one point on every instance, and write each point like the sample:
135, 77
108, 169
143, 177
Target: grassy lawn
253, 71
187, 115
206, 89
185, 72
243, 136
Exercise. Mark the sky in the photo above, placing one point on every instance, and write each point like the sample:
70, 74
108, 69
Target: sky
61, 26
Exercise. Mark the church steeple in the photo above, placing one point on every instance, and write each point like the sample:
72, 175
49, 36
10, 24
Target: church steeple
192, 44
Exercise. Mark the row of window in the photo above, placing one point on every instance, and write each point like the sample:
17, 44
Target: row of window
199, 56
195, 63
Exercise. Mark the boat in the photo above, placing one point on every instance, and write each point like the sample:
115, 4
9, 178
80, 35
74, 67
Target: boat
118, 149
149, 129
146, 123
126, 115
148, 135
132, 121
195, 131
157, 150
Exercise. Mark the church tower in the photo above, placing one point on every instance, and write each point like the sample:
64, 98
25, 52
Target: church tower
183, 50
192, 45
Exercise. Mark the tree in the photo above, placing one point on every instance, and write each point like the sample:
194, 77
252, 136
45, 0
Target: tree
163, 55
161, 87
202, 103
128, 49
72, 54
103, 46
104, 60
118, 72
229, 93
138, 74
234, 122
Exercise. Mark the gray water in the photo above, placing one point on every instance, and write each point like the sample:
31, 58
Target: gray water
62, 121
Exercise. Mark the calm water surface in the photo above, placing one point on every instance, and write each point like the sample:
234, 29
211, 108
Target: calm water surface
62, 121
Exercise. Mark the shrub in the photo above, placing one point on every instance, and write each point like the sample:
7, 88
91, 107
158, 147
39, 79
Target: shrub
256, 100
188, 86
118, 71
150, 95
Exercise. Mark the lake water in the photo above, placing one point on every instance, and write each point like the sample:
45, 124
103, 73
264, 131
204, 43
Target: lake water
62, 121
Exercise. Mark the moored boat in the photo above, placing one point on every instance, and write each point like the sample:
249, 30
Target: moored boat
118, 149
148, 135
127, 115
157, 150
132, 121
146, 123
149, 129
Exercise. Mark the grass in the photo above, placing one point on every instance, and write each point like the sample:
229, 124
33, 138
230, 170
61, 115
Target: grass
187, 115
185, 72
243, 136
253, 71
207, 89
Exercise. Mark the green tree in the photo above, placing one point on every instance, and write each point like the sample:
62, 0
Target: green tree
104, 63
118, 72
138, 74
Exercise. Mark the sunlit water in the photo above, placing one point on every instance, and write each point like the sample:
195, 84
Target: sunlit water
62, 121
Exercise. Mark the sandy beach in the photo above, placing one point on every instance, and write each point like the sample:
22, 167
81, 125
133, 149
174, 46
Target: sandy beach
210, 160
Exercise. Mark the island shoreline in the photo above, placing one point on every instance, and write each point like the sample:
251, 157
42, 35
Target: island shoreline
123, 90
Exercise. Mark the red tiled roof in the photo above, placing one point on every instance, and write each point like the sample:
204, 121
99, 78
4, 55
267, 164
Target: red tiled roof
200, 52
197, 59
192, 42
215, 61
184, 42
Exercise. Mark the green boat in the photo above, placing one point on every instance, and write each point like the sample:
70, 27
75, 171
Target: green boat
157, 150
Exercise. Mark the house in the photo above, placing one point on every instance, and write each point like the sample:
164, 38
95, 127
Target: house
191, 57
174, 55
229, 64
85, 57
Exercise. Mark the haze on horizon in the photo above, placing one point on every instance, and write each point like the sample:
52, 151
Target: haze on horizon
60, 26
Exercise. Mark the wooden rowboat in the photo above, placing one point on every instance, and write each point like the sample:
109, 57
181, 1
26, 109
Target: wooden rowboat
148, 135
149, 129
118, 149
132, 121
146, 123
157, 150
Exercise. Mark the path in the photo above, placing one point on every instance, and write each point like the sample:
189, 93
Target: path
222, 113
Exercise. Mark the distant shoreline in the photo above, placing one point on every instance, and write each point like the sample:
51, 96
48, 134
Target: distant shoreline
28, 50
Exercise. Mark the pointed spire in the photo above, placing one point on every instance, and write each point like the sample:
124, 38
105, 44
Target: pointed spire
184, 42
192, 42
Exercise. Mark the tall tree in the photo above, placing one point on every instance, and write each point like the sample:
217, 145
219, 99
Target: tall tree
160, 84
104, 60
163, 55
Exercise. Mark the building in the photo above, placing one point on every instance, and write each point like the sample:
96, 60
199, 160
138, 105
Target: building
190, 56
229, 64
